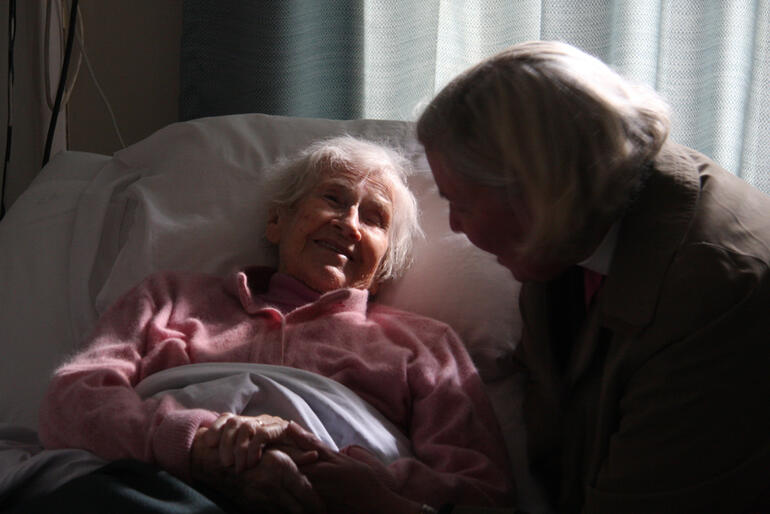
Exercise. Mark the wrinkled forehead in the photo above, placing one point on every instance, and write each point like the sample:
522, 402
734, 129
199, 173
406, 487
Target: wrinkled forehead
376, 181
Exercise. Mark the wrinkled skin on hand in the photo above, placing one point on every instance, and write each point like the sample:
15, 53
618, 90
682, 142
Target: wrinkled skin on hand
268, 463
254, 462
241, 439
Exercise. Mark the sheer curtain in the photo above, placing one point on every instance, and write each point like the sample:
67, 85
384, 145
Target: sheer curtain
710, 59
386, 58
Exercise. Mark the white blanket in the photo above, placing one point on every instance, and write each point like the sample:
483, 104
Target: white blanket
330, 410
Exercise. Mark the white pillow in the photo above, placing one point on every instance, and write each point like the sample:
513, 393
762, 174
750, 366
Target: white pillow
35, 239
189, 197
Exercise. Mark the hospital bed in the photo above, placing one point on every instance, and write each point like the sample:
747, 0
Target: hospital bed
189, 197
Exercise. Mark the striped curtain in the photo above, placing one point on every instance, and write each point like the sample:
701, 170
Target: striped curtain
386, 58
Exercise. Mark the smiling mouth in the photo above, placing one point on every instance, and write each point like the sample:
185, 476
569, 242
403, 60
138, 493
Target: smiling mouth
334, 248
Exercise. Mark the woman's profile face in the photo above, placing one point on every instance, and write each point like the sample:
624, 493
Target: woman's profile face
337, 235
490, 221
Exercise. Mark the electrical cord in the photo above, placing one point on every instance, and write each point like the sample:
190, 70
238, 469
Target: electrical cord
82, 46
80, 39
9, 127
62, 81
61, 6
63, 93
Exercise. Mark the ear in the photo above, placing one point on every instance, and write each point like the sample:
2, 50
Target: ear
274, 226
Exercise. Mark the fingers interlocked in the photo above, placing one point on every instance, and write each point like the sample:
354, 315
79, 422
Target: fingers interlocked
257, 460
242, 439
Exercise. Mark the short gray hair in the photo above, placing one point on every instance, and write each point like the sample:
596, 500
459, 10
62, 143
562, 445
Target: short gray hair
550, 122
293, 178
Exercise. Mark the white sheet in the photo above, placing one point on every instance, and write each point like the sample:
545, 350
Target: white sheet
327, 408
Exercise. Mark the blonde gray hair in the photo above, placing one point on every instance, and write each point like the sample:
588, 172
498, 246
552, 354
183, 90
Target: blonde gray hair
552, 125
292, 179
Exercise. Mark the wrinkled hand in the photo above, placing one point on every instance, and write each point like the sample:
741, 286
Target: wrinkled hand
242, 439
354, 480
254, 461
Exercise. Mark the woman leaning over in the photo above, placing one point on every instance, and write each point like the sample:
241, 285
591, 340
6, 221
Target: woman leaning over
651, 394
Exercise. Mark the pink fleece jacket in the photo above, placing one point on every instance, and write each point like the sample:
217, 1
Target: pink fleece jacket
413, 369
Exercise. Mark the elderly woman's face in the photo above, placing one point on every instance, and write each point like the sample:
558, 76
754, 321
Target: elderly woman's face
337, 235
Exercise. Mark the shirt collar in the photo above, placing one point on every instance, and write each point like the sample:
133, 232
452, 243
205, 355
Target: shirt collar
600, 260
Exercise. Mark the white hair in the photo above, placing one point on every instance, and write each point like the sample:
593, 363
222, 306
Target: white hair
292, 179
549, 121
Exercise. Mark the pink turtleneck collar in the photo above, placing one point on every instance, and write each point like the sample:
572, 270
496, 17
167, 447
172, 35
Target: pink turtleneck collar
258, 287
286, 293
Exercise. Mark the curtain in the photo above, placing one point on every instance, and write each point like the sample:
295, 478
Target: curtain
386, 58
287, 57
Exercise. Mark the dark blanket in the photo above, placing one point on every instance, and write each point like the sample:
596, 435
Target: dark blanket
125, 486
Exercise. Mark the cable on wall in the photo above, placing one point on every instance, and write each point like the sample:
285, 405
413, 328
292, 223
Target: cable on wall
62, 81
9, 127
82, 46
62, 31
82, 56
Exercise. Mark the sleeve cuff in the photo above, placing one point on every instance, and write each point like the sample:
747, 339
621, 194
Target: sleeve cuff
174, 437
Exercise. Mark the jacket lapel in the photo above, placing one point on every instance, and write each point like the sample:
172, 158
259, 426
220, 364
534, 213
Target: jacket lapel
584, 346
649, 235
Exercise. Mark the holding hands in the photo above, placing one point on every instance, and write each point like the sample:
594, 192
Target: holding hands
276, 464
241, 440
354, 480
253, 460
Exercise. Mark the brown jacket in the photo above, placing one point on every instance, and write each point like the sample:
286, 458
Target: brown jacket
662, 401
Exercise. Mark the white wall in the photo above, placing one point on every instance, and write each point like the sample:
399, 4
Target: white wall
133, 46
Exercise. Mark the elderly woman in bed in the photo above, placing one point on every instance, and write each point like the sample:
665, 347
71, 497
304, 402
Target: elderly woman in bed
342, 220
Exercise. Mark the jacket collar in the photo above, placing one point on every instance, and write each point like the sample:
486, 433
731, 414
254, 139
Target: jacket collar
600, 260
650, 234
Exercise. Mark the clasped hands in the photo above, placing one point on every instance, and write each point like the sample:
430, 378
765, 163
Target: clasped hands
265, 461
